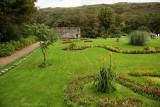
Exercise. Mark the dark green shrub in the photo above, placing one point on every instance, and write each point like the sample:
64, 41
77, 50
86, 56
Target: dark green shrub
33, 39
6, 49
10, 47
19, 45
14, 43
11, 32
138, 38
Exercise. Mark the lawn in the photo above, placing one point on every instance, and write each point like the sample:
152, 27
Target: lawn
29, 85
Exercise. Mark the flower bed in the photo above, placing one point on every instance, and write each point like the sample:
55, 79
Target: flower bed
66, 41
88, 41
74, 95
116, 49
83, 38
145, 72
154, 81
145, 89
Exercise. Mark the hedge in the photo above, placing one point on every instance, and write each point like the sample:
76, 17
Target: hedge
9, 48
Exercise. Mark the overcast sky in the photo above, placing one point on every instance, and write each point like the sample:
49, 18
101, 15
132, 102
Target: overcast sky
74, 3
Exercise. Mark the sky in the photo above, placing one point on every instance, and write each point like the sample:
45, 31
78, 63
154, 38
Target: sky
74, 3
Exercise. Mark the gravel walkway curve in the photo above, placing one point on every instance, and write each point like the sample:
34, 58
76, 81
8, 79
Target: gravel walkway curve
6, 60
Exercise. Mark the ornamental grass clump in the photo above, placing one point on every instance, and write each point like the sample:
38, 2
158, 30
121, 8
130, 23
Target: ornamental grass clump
105, 80
138, 38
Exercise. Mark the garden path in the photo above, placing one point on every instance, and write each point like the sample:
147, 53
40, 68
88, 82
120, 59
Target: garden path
5, 60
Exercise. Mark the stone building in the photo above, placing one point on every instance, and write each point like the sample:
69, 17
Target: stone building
68, 32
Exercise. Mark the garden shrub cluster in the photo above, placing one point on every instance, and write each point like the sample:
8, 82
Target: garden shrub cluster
138, 37
9, 48
75, 95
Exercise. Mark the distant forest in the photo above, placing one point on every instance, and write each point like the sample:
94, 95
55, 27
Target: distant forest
134, 15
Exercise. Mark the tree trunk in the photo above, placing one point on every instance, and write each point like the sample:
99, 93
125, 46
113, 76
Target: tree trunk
44, 55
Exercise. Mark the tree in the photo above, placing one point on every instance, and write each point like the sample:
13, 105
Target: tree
13, 14
154, 23
106, 18
144, 28
45, 35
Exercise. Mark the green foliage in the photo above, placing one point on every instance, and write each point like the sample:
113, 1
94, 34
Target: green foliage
72, 45
129, 17
105, 79
13, 14
138, 38
45, 35
6, 49
10, 32
106, 17
144, 28
10, 47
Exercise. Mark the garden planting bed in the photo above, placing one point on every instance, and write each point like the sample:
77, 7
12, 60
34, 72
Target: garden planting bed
75, 95
118, 50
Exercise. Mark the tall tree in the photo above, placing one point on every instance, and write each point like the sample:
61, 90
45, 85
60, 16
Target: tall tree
154, 23
106, 18
13, 13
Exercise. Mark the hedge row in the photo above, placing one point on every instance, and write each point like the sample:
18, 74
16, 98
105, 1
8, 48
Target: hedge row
9, 48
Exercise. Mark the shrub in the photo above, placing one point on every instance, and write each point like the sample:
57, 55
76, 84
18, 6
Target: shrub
6, 49
11, 32
9, 48
14, 43
138, 38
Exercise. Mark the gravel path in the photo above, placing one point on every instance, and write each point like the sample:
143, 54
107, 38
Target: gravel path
5, 60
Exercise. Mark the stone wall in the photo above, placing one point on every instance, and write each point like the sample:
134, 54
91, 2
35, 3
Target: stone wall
68, 32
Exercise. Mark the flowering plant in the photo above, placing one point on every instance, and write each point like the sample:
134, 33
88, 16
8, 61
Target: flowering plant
145, 72
105, 80
75, 95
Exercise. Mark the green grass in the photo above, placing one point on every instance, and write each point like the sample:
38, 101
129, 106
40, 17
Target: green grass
27, 84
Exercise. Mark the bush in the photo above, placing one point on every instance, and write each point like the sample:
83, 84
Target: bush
11, 32
138, 38
10, 47
6, 49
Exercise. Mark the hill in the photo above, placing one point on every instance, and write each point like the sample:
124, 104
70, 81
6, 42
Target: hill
136, 14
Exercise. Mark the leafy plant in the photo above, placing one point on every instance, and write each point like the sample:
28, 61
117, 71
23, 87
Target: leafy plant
72, 45
138, 38
45, 35
105, 79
